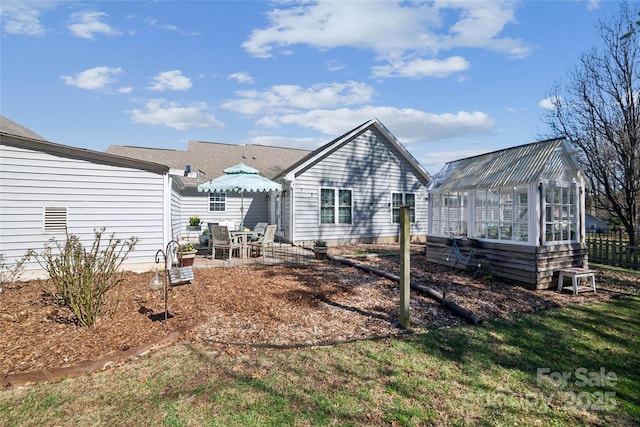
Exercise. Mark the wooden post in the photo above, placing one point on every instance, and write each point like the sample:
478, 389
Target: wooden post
405, 267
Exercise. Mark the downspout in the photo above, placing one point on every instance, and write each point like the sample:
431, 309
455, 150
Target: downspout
292, 209
166, 215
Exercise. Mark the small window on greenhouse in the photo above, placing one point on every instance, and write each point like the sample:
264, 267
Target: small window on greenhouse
449, 214
399, 199
332, 212
502, 214
560, 214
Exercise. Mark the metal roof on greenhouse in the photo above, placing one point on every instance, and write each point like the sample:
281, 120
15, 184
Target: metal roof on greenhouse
549, 159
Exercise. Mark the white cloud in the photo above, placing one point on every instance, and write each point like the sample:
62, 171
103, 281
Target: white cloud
480, 25
88, 24
593, 4
288, 98
241, 77
173, 115
93, 78
333, 65
171, 80
125, 89
422, 68
152, 22
409, 125
23, 17
391, 29
549, 103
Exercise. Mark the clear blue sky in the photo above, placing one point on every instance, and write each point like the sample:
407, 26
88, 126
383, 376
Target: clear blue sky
449, 79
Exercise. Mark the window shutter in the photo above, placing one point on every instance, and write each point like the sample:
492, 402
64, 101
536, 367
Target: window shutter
55, 220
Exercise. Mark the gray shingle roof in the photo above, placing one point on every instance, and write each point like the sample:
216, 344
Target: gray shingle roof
13, 128
212, 158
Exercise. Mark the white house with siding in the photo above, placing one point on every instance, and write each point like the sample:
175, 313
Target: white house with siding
48, 189
351, 189
208, 160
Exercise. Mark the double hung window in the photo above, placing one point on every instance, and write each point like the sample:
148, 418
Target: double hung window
336, 206
399, 199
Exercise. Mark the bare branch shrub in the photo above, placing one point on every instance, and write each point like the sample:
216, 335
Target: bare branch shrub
80, 278
9, 274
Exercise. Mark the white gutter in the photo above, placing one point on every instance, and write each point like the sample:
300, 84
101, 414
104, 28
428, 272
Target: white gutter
166, 215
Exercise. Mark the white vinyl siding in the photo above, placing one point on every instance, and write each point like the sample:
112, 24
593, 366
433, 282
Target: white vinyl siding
371, 168
124, 200
194, 203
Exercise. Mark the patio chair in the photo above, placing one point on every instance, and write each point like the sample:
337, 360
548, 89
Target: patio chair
266, 241
258, 231
221, 239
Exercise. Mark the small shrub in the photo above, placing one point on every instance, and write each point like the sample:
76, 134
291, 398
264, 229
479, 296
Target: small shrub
81, 278
8, 274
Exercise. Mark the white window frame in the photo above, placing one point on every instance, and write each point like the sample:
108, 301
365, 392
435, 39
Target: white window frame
507, 218
336, 206
441, 220
395, 209
222, 202
561, 213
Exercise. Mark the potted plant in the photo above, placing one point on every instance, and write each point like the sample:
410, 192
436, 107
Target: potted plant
204, 237
320, 248
194, 223
186, 254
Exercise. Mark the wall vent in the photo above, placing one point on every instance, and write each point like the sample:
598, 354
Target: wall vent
55, 220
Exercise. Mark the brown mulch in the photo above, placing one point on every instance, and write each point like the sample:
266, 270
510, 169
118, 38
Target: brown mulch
316, 304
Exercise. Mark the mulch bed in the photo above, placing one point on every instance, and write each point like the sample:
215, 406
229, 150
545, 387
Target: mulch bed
281, 306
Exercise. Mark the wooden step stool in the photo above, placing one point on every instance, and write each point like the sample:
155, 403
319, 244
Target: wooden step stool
576, 273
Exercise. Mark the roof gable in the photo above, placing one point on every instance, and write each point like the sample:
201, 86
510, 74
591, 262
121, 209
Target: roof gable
319, 154
549, 159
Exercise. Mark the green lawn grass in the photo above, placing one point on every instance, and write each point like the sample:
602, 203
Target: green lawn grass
541, 369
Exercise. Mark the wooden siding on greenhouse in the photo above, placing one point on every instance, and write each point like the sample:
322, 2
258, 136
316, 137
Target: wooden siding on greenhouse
535, 267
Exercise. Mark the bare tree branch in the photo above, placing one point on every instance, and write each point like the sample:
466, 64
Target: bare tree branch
598, 111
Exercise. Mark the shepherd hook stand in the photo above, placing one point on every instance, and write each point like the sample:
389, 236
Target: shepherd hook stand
165, 254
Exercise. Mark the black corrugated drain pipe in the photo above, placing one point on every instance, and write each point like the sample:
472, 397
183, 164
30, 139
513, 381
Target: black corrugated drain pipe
467, 315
